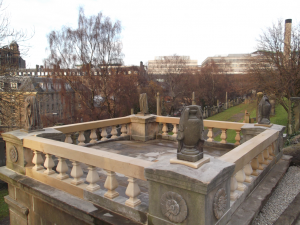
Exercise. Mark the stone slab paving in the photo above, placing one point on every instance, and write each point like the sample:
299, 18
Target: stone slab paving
248, 210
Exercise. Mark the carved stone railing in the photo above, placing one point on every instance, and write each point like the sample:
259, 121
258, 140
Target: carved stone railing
210, 124
112, 163
251, 159
93, 126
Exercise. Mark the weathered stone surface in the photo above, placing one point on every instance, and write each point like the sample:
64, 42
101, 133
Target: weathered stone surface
143, 128
197, 187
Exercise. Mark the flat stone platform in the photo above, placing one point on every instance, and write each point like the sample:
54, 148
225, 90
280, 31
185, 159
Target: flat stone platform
154, 150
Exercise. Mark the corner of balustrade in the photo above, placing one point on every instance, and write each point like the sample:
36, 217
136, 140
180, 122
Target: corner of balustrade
143, 128
19, 157
250, 130
180, 194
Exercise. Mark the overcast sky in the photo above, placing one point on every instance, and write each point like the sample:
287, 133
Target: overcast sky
198, 29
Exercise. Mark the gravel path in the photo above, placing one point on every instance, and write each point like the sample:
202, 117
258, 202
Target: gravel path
283, 195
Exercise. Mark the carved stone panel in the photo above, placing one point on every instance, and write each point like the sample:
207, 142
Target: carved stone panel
13, 154
220, 202
173, 206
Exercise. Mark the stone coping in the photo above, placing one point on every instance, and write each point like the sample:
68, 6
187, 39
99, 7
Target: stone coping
244, 153
126, 165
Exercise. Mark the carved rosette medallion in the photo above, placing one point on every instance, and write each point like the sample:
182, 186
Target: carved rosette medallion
173, 206
13, 154
220, 202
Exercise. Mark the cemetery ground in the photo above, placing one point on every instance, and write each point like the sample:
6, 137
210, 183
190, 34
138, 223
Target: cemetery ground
237, 113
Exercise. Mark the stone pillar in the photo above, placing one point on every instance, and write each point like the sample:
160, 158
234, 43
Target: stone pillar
193, 99
182, 195
259, 95
158, 106
143, 128
132, 111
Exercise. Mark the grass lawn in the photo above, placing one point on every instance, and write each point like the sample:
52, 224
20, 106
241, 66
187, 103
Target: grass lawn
234, 114
3, 206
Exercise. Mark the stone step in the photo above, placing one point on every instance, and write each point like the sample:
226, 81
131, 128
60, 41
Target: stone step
291, 215
250, 208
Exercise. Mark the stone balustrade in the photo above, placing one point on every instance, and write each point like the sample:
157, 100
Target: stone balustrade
251, 159
210, 124
217, 187
100, 125
112, 163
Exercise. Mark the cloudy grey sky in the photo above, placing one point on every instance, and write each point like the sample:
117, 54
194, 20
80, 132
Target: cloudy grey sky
156, 28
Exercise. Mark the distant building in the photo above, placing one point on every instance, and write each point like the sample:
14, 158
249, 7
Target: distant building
231, 63
10, 57
170, 64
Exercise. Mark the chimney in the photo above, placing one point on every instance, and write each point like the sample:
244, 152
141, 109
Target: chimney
287, 39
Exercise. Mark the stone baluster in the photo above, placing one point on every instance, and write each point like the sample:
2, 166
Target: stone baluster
81, 138
233, 187
175, 130
272, 153
114, 132
248, 171
93, 136
210, 134
266, 156
92, 178
224, 136
261, 160
49, 164
37, 160
76, 173
104, 134
124, 130
69, 139
111, 184
241, 177
132, 191
237, 137
165, 129
255, 166
270, 150
62, 168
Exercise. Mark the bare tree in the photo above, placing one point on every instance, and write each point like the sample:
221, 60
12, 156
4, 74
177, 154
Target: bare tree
276, 69
172, 72
89, 59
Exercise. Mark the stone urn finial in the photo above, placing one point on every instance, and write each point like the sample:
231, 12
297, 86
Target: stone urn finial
190, 134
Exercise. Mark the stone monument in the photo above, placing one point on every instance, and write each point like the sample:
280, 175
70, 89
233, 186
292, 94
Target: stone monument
143, 104
32, 115
190, 137
264, 110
